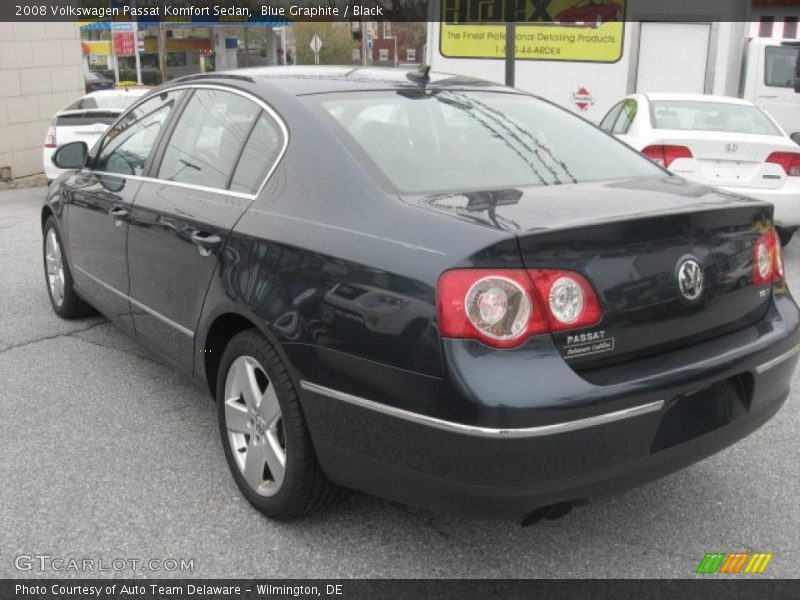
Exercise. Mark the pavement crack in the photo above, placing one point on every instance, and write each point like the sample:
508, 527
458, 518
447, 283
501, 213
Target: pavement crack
51, 337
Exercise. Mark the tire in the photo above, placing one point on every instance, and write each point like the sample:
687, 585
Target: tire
262, 430
57, 277
786, 236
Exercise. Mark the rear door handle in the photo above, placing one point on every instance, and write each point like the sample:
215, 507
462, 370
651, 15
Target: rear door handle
205, 241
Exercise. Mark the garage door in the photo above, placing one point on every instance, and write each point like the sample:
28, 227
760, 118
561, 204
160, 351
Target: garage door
673, 57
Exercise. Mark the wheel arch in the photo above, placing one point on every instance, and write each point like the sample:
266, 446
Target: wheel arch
227, 322
47, 212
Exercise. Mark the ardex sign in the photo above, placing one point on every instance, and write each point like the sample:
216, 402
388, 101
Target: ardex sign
567, 30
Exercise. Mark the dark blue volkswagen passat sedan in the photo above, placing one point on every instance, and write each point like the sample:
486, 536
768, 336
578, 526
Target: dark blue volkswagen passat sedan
426, 287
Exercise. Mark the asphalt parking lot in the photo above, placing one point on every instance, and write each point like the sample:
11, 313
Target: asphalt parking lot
107, 454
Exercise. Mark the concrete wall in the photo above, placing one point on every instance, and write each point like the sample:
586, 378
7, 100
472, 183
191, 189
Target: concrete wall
40, 72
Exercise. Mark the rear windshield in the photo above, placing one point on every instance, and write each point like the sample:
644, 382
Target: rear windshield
431, 141
711, 116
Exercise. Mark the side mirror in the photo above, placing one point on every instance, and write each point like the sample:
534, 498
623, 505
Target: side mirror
796, 137
71, 156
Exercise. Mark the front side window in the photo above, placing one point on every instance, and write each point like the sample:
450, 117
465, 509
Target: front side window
781, 65
711, 116
424, 141
127, 145
208, 138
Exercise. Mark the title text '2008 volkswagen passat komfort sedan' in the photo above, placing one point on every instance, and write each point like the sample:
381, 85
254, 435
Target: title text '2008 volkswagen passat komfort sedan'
429, 288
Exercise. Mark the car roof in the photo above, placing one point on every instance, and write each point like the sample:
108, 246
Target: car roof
695, 98
303, 80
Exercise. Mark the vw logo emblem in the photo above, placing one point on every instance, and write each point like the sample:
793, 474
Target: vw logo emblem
690, 279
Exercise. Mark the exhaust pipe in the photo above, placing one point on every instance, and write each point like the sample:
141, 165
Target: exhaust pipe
550, 512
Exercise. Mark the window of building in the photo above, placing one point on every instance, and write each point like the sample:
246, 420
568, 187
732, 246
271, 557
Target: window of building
790, 28
765, 27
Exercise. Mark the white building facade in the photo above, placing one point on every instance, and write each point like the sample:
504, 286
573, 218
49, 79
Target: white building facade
40, 73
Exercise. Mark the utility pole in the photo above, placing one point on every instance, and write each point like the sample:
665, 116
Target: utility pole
138, 58
363, 42
511, 43
511, 52
162, 51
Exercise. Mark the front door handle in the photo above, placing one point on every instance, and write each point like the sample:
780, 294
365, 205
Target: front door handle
118, 212
205, 241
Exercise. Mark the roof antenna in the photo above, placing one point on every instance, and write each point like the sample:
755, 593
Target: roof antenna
421, 75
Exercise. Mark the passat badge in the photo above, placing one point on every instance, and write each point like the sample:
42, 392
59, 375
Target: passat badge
690, 279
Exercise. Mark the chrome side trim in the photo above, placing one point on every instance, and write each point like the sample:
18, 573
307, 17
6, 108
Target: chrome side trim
188, 186
209, 86
136, 303
184, 330
485, 432
762, 368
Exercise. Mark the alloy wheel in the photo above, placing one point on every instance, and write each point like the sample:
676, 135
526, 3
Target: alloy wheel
55, 267
255, 426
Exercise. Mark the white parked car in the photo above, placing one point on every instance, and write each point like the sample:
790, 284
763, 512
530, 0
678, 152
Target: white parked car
85, 120
724, 142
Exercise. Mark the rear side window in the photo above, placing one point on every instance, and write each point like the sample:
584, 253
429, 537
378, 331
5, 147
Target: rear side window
259, 154
424, 141
625, 118
607, 124
781, 62
208, 138
128, 144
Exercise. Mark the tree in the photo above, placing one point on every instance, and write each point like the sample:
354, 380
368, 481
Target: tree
337, 43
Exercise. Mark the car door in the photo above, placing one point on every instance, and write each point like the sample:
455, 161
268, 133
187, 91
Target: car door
208, 170
101, 197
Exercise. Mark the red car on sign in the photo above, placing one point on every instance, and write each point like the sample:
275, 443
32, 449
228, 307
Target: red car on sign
591, 13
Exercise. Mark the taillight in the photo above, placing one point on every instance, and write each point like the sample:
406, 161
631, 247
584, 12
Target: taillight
663, 155
789, 161
494, 306
504, 307
50, 137
570, 300
767, 259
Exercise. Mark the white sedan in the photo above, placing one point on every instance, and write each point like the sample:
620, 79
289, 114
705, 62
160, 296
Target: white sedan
85, 120
724, 142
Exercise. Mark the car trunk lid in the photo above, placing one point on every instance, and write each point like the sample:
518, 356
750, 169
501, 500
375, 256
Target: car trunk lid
83, 125
629, 240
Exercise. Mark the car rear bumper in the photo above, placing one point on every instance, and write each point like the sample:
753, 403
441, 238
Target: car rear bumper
600, 434
50, 170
